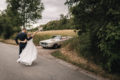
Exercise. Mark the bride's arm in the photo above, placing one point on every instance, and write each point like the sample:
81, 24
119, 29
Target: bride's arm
34, 33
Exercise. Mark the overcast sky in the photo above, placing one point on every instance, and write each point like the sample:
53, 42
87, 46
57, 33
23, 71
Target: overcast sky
53, 9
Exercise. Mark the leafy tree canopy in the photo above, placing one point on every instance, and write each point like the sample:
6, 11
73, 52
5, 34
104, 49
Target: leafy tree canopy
28, 11
101, 19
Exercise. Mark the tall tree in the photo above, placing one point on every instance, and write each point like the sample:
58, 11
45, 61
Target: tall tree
28, 11
101, 19
7, 28
63, 19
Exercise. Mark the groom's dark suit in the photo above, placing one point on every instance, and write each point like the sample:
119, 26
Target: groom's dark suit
21, 36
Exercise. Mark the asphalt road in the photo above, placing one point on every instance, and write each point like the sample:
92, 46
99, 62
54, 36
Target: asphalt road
45, 67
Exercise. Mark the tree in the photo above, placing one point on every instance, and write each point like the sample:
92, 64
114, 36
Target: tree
6, 27
63, 19
101, 19
28, 11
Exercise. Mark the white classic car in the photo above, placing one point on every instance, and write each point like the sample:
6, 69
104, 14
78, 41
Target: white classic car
53, 42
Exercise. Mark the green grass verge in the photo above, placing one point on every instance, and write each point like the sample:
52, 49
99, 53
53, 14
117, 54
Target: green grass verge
59, 55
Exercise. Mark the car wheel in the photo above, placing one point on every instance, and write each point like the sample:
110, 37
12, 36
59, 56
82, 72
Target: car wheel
44, 47
55, 46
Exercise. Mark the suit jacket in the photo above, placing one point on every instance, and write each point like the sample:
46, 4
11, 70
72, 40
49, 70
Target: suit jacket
22, 36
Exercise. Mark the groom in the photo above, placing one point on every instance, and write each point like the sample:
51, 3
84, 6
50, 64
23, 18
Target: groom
22, 36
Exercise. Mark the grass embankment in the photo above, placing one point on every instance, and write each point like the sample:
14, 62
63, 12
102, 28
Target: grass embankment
8, 41
48, 34
43, 35
70, 52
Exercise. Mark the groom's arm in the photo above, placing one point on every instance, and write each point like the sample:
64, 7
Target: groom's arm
16, 39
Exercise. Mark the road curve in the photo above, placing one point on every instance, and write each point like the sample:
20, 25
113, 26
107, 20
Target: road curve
44, 68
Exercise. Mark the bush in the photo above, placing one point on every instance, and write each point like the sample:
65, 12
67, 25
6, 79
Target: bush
103, 50
101, 19
80, 44
109, 45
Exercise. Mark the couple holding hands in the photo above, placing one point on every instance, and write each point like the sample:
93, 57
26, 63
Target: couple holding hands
27, 49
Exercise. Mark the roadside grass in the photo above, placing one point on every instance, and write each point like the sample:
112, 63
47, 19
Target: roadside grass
58, 32
8, 41
42, 36
48, 34
84, 64
75, 60
70, 52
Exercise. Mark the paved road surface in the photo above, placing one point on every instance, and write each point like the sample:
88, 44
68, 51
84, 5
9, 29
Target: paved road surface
45, 67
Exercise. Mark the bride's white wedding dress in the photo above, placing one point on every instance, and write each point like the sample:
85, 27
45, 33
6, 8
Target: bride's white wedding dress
29, 54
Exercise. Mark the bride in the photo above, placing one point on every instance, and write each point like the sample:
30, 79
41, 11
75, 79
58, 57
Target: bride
29, 54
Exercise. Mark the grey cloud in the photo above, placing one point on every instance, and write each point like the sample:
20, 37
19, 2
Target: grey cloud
3, 5
53, 9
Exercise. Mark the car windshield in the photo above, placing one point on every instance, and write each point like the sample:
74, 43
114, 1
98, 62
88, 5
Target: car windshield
56, 37
53, 36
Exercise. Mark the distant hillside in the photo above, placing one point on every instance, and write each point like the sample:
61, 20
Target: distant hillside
59, 24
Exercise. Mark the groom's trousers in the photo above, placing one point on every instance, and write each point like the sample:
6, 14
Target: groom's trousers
21, 47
